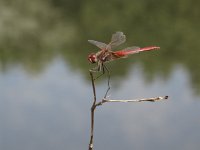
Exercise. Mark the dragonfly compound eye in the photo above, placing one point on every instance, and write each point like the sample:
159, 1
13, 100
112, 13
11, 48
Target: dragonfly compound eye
92, 58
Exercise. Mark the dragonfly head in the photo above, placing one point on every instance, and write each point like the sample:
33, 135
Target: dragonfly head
92, 58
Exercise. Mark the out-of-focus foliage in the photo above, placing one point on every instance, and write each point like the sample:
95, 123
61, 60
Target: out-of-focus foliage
32, 33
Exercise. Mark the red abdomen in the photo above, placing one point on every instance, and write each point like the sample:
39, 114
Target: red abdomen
126, 52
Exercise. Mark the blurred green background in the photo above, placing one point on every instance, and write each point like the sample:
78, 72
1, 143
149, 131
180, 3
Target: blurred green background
33, 33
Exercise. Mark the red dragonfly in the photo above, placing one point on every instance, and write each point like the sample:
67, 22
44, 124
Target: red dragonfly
106, 54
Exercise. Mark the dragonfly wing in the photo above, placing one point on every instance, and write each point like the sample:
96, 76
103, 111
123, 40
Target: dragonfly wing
100, 45
117, 39
135, 49
127, 51
132, 48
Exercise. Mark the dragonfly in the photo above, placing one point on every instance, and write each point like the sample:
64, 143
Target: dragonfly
106, 53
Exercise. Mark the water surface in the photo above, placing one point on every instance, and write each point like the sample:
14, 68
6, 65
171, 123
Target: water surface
45, 89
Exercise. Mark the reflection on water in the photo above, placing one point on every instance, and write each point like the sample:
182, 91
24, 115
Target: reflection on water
51, 111
45, 93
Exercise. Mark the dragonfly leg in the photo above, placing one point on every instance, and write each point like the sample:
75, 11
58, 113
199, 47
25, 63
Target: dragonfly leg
102, 68
96, 69
99, 68
103, 72
108, 73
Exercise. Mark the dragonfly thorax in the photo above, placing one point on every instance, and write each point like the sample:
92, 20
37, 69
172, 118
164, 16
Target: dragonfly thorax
92, 58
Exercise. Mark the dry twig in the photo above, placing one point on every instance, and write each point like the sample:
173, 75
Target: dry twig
132, 100
105, 100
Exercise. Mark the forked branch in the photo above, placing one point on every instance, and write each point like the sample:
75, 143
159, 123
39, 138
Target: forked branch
106, 100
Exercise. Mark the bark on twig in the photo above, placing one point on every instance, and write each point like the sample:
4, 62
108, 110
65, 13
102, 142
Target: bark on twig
92, 112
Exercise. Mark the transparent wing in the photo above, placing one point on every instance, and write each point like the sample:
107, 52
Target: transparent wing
117, 39
100, 45
132, 48
125, 52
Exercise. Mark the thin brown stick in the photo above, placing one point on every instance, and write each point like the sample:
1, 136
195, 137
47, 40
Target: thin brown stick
93, 87
92, 112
